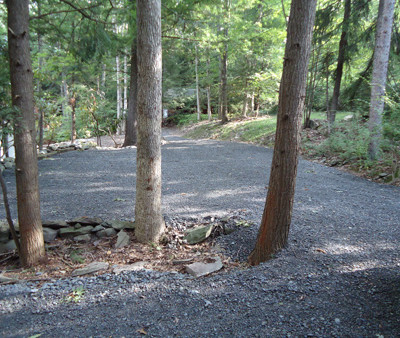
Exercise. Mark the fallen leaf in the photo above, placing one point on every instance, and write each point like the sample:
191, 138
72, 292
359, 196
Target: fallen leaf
142, 331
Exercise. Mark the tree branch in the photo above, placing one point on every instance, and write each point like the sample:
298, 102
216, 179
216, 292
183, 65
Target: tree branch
83, 13
63, 11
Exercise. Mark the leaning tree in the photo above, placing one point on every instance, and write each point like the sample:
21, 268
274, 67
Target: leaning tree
277, 215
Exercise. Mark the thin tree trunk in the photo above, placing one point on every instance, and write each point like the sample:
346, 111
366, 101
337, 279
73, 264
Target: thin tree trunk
379, 74
277, 215
245, 100
149, 220
224, 66
40, 110
197, 85
72, 103
340, 62
131, 124
327, 90
103, 80
224, 76
252, 103
26, 168
209, 114
118, 96
125, 91
64, 94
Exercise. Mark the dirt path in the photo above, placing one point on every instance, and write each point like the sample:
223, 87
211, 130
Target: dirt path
339, 276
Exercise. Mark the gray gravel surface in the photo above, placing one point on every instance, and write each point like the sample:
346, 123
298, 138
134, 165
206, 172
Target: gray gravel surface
339, 275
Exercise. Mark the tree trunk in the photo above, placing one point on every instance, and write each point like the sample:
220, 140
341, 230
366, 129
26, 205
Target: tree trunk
224, 67
252, 103
125, 109
277, 215
245, 101
26, 168
40, 110
149, 220
209, 114
340, 62
118, 97
72, 103
197, 86
131, 124
379, 74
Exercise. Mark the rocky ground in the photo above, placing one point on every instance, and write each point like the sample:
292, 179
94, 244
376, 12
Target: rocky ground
339, 275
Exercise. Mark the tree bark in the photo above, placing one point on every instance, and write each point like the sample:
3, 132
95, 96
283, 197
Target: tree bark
277, 214
379, 74
119, 97
197, 86
149, 220
72, 103
224, 67
131, 123
40, 110
340, 62
125, 109
26, 168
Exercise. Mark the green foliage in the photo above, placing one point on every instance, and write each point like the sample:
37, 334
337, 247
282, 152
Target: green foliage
76, 257
76, 295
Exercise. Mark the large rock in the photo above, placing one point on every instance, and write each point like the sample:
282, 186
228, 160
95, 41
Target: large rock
49, 234
91, 268
56, 224
120, 225
83, 238
122, 239
106, 233
72, 232
199, 234
86, 220
202, 269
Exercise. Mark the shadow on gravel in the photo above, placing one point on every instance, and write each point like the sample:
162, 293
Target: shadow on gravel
362, 303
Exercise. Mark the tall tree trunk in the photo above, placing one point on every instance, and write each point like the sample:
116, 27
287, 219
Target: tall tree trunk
379, 74
197, 85
208, 92
340, 62
131, 124
26, 167
40, 109
277, 215
125, 91
224, 66
118, 96
149, 220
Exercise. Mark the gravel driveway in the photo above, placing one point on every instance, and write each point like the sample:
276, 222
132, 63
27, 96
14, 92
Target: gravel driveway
339, 275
